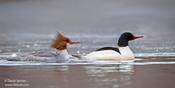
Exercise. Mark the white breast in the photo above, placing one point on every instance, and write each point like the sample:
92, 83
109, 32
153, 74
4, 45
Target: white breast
62, 54
125, 54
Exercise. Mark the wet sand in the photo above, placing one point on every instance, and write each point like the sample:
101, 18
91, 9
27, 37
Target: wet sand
88, 76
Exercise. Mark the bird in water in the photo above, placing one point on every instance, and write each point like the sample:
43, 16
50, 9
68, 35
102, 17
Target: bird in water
59, 46
123, 52
56, 53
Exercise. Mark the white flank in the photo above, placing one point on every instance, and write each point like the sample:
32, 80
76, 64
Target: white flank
125, 54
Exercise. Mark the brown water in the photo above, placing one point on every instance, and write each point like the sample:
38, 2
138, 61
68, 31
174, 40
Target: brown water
89, 76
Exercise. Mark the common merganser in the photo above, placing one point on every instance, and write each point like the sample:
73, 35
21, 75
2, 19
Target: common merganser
59, 46
123, 52
57, 52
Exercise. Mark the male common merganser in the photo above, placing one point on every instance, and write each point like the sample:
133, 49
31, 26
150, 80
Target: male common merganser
123, 52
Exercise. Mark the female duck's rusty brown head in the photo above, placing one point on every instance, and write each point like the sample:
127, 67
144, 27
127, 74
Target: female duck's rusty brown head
60, 42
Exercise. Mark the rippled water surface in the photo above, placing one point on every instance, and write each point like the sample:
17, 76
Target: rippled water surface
28, 26
152, 68
19, 50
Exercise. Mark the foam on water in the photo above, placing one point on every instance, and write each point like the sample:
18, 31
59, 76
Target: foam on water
22, 63
155, 55
141, 59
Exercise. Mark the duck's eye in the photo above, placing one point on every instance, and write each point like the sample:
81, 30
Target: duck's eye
129, 36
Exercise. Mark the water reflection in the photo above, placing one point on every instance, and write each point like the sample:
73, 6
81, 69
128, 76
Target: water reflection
111, 76
91, 76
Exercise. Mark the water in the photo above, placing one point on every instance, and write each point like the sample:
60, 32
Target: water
23, 49
89, 76
28, 26
154, 63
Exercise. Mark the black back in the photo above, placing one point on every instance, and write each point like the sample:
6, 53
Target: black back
109, 48
122, 42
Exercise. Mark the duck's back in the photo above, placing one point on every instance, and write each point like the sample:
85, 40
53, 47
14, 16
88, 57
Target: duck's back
103, 55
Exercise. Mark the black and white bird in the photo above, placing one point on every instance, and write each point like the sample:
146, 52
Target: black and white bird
123, 52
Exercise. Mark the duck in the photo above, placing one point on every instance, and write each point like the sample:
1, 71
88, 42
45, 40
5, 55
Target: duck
122, 52
59, 46
55, 53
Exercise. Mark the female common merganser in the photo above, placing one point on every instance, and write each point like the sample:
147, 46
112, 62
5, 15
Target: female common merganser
123, 52
59, 46
56, 53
